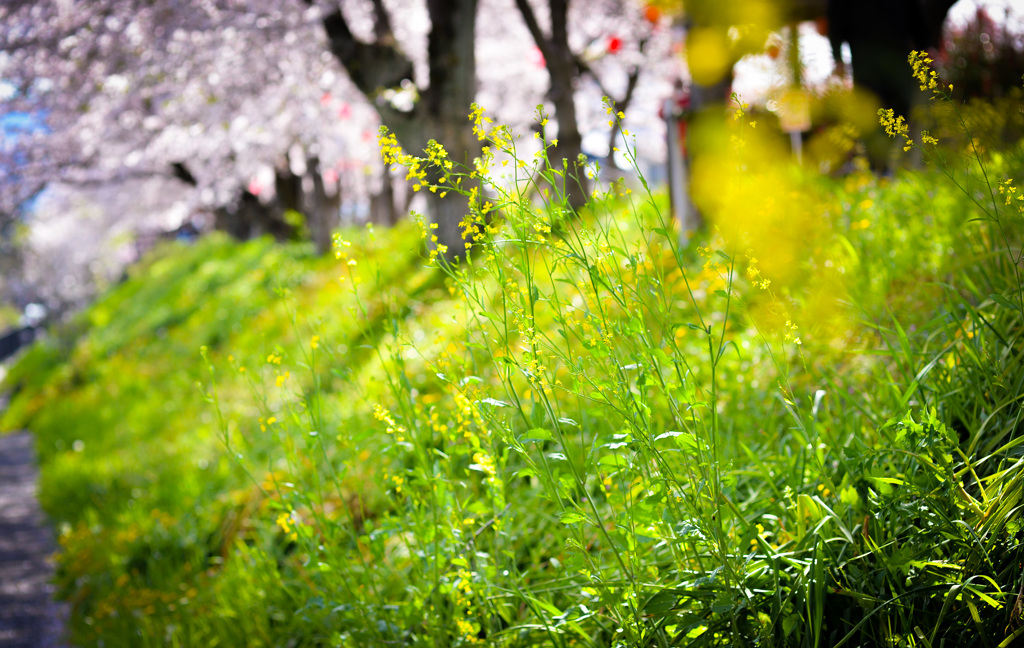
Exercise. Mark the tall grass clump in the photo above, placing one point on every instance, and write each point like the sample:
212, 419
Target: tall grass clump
566, 464
614, 443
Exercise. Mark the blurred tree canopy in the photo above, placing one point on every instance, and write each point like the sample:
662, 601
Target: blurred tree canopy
211, 94
984, 58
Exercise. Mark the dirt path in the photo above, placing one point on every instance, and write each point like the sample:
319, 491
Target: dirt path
28, 616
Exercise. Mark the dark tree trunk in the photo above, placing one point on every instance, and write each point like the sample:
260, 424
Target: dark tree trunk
249, 218
878, 52
383, 208
563, 71
324, 214
442, 111
288, 188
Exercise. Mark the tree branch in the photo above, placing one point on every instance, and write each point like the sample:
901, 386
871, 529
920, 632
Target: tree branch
371, 66
531, 23
382, 24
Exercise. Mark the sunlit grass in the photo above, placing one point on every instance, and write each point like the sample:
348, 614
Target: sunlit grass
802, 430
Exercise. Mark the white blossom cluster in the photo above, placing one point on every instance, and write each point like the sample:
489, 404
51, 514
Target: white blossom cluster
102, 97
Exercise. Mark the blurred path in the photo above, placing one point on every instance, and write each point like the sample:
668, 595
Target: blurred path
28, 616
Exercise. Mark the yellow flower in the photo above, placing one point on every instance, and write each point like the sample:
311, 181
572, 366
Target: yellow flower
894, 124
287, 521
314, 342
926, 77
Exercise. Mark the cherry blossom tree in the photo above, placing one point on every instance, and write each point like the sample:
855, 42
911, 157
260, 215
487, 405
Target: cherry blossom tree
207, 92
436, 109
598, 41
244, 109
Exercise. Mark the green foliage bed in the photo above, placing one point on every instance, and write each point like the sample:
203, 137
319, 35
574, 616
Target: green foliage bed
800, 430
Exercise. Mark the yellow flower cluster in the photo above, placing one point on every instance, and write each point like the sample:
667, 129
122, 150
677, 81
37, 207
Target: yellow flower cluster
927, 77
390, 151
1007, 189
754, 274
437, 156
761, 533
1012, 195
479, 121
895, 125
287, 523
468, 416
741, 107
384, 416
791, 333
609, 109
340, 249
462, 591
485, 464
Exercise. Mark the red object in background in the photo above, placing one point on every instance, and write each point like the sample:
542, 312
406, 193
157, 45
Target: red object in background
678, 106
614, 44
652, 14
537, 57
682, 100
773, 50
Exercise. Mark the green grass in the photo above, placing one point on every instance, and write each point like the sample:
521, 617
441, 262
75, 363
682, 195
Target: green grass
800, 431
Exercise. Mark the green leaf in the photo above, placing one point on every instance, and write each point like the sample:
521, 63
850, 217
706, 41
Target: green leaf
572, 517
1013, 637
888, 480
1004, 302
849, 496
536, 434
985, 598
613, 460
661, 603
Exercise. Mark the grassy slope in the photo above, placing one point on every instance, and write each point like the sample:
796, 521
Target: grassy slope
133, 470
152, 510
